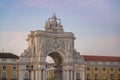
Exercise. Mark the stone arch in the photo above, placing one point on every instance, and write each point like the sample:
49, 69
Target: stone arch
57, 67
57, 56
54, 42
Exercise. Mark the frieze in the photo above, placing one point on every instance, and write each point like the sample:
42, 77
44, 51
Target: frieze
54, 43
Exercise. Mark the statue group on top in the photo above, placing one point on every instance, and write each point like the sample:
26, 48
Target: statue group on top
53, 25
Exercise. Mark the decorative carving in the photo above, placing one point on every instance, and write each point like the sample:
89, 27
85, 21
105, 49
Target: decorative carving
54, 43
53, 25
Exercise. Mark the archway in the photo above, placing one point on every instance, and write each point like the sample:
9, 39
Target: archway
54, 68
57, 44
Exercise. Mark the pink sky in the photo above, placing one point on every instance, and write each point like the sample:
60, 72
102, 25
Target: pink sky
95, 23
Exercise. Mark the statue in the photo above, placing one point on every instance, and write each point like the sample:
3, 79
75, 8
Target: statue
53, 25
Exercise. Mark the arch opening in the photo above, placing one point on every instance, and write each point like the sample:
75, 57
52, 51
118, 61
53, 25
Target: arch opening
56, 57
49, 60
54, 66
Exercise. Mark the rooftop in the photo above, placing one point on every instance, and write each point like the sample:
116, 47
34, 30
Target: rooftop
8, 56
101, 58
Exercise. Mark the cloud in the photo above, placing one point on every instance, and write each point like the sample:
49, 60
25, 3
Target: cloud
49, 59
95, 45
91, 9
62, 3
67, 4
13, 42
39, 3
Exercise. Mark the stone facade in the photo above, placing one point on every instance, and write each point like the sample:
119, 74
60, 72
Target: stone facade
68, 63
56, 43
102, 67
9, 66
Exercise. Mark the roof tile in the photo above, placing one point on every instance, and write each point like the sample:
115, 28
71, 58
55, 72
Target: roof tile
101, 58
9, 56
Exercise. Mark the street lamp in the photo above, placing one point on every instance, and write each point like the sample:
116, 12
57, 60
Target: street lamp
29, 68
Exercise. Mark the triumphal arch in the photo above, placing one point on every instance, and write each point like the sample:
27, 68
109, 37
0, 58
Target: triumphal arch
59, 45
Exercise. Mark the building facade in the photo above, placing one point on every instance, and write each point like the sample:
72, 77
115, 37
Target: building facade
95, 68
9, 67
68, 63
57, 44
102, 67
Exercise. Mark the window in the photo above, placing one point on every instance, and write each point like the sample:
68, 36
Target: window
14, 67
118, 69
104, 75
26, 76
104, 69
78, 76
4, 59
112, 69
96, 69
96, 76
14, 75
88, 76
3, 75
118, 76
88, 68
112, 76
4, 67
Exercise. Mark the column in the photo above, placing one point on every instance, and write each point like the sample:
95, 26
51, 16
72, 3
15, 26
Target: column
74, 74
83, 75
31, 75
42, 72
58, 75
22, 71
64, 74
44, 75
40, 75
21, 75
68, 74
71, 75
35, 75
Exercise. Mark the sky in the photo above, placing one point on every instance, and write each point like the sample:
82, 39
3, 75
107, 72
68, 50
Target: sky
95, 23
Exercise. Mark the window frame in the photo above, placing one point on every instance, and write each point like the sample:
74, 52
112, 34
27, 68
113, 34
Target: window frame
88, 76
4, 67
14, 67
104, 69
14, 75
118, 75
5, 75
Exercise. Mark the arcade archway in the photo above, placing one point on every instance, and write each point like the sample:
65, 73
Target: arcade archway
54, 68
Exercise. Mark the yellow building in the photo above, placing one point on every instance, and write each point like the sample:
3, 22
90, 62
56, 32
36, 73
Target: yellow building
9, 67
95, 68
102, 67
50, 71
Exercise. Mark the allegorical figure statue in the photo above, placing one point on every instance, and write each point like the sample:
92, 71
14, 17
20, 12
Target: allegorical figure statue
53, 25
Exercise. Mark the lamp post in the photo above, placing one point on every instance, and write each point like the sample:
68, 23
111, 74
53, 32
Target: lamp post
29, 68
